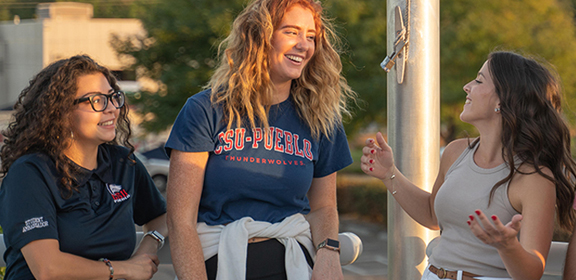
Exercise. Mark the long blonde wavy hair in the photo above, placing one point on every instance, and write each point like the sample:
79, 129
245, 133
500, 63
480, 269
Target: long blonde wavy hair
242, 85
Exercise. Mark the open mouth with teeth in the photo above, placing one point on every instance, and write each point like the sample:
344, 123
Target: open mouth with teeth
110, 122
294, 58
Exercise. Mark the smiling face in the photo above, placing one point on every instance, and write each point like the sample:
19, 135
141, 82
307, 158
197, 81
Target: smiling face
90, 127
292, 45
481, 98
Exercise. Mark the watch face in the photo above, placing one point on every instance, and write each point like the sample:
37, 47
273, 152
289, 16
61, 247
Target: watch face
333, 243
159, 236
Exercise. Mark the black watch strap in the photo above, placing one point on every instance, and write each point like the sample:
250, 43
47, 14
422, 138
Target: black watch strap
330, 244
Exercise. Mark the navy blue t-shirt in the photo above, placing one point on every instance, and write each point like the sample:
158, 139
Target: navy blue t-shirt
249, 174
95, 222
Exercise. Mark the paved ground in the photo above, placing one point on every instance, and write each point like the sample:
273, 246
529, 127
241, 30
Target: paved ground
371, 265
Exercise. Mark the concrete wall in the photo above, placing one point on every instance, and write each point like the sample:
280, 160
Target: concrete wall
64, 38
61, 30
20, 58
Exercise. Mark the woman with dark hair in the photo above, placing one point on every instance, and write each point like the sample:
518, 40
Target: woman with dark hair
71, 195
252, 190
517, 172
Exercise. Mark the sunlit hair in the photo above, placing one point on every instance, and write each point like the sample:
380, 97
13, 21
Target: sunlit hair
43, 114
242, 85
533, 128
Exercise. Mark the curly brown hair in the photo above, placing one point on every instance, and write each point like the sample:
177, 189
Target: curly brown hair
41, 121
533, 128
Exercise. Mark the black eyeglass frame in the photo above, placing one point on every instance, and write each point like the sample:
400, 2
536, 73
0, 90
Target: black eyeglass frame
108, 97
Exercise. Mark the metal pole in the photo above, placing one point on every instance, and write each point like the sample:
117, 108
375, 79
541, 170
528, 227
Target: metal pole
413, 129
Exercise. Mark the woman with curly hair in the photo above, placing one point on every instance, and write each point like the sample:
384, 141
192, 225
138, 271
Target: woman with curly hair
517, 172
71, 194
252, 190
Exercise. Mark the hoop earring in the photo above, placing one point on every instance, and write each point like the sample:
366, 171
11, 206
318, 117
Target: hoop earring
71, 134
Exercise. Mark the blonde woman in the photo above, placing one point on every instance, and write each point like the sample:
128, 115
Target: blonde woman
252, 188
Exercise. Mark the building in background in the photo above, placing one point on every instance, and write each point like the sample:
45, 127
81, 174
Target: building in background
61, 29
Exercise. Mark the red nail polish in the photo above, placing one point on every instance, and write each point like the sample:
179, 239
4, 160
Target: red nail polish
471, 218
371, 169
477, 212
468, 222
494, 217
371, 161
372, 151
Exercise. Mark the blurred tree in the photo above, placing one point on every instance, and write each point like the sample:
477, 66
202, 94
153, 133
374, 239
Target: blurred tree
4, 10
112, 8
362, 25
26, 9
471, 29
178, 55
180, 51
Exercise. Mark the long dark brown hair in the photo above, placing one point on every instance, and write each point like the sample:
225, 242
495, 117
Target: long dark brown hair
533, 128
41, 121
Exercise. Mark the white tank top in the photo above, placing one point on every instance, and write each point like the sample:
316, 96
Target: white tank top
467, 188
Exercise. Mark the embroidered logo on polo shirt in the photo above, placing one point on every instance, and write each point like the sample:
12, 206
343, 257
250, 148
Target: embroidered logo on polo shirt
118, 193
33, 223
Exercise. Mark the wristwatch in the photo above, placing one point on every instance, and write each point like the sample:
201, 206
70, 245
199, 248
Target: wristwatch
330, 244
157, 236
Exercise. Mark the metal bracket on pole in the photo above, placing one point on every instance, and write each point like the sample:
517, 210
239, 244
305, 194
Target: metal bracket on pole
400, 43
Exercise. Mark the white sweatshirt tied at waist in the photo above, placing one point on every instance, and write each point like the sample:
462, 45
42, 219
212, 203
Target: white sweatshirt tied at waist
230, 242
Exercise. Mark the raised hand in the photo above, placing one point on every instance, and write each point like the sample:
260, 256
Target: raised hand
377, 160
495, 233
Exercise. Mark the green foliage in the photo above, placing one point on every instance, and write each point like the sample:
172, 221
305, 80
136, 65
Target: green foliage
110, 9
471, 29
362, 26
4, 11
180, 52
26, 9
364, 198
178, 55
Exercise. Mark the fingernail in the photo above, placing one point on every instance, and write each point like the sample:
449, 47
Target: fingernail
371, 161
471, 218
477, 212
494, 217
371, 169
468, 222
373, 151
371, 141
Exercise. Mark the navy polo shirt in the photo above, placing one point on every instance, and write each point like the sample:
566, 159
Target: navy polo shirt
95, 222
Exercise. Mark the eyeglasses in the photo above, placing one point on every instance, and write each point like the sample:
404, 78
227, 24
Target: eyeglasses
99, 101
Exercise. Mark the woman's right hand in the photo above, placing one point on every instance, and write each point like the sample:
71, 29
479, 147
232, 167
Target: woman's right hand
377, 160
139, 267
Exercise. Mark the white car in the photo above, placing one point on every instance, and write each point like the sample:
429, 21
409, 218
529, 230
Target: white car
158, 170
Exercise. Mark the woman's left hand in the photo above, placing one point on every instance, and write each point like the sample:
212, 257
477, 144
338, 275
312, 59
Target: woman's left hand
327, 266
495, 233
